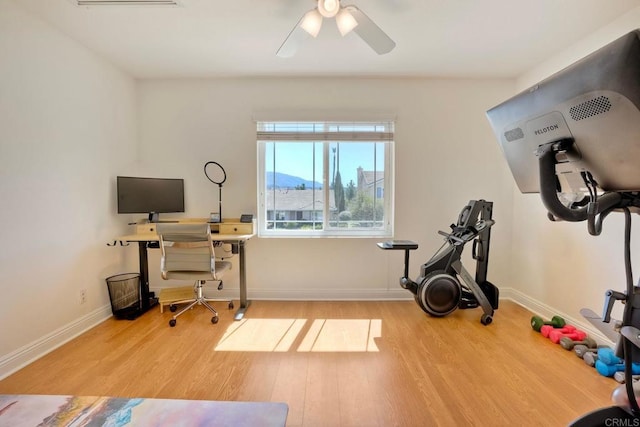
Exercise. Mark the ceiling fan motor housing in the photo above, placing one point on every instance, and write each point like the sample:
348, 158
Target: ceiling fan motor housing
328, 8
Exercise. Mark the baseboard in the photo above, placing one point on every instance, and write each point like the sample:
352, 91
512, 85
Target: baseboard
313, 294
399, 294
20, 358
331, 295
545, 311
16, 360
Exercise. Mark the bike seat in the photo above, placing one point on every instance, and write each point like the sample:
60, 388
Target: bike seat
398, 245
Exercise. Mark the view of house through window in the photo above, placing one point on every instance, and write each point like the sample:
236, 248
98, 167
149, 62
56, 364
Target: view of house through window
325, 179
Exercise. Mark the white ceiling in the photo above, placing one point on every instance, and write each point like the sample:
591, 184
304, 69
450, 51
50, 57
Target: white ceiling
444, 38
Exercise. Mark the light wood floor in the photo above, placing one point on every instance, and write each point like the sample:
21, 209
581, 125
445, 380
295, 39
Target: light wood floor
396, 366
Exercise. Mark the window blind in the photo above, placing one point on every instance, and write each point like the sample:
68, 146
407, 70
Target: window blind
325, 131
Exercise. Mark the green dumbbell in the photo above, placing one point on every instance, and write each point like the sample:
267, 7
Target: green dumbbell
538, 322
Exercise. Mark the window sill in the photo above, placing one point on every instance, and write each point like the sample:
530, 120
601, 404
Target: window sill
325, 235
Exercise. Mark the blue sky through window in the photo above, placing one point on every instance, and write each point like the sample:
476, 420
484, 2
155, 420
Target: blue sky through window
297, 159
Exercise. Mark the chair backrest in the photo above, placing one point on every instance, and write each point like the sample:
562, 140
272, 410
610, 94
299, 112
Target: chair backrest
186, 248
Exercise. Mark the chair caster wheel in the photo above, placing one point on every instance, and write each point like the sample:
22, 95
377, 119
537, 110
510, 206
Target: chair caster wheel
172, 322
173, 307
230, 305
214, 319
486, 319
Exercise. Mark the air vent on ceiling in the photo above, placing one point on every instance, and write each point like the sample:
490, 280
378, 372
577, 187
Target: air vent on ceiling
127, 2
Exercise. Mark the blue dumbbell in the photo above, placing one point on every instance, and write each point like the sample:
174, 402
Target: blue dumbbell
608, 356
610, 370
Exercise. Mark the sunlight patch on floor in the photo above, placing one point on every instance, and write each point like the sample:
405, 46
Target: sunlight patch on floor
342, 335
322, 335
261, 335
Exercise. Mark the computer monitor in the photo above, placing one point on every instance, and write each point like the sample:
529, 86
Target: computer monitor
150, 195
595, 104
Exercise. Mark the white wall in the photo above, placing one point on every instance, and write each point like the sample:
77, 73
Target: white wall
445, 155
70, 122
560, 264
67, 124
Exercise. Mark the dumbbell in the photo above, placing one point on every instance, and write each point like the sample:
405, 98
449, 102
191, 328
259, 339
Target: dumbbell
590, 358
538, 322
545, 330
609, 370
620, 377
608, 356
589, 355
556, 335
581, 350
568, 344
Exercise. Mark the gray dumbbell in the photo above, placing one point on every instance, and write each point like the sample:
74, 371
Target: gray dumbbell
590, 358
619, 376
568, 344
582, 349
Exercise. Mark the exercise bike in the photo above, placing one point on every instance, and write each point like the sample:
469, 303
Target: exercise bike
438, 290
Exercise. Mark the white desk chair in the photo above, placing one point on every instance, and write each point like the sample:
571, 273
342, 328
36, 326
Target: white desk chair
188, 253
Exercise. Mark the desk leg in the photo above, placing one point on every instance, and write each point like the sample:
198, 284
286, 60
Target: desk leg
147, 299
244, 302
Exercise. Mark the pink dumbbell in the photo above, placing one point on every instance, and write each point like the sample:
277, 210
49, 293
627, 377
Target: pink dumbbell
547, 329
576, 335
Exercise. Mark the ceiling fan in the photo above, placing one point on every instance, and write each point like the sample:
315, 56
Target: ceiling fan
348, 18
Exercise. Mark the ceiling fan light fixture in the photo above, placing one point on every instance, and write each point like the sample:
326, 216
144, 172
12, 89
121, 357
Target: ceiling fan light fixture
346, 22
328, 8
312, 22
348, 18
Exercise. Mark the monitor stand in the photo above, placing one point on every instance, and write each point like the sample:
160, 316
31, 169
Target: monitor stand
154, 216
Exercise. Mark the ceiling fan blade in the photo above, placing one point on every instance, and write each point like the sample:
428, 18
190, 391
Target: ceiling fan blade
294, 40
370, 32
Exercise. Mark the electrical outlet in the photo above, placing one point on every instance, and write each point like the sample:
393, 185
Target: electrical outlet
83, 296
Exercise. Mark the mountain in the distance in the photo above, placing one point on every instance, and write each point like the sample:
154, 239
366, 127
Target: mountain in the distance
282, 180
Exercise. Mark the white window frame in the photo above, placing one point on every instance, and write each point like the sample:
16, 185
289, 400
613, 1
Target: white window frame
327, 133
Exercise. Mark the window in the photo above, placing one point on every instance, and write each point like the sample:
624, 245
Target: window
325, 179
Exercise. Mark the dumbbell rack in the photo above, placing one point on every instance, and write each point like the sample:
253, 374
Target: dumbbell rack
625, 333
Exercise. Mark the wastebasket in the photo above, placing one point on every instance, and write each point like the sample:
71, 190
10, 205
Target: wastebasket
124, 293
